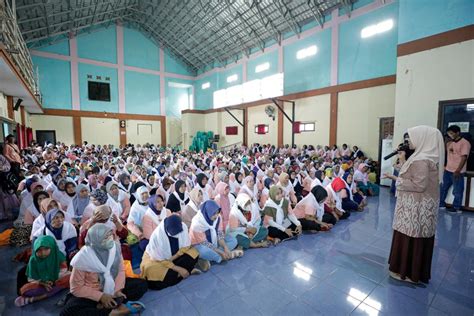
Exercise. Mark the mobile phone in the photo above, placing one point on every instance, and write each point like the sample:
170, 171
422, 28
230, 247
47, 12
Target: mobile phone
119, 300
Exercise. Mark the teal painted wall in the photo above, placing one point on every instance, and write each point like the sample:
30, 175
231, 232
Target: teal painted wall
422, 18
55, 82
142, 93
99, 44
365, 58
103, 72
175, 66
140, 51
311, 72
271, 58
222, 77
177, 98
204, 97
61, 47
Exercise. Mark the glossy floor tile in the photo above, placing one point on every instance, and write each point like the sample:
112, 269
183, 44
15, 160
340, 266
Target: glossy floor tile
342, 272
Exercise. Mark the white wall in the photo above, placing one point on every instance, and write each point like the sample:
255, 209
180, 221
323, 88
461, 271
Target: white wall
359, 113
191, 124
256, 116
3, 106
225, 121
173, 130
425, 78
61, 124
313, 109
142, 132
100, 131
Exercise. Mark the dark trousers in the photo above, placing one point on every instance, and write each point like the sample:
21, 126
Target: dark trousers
79, 306
276, 233
328, 218
309, 225
172, 277
349, 205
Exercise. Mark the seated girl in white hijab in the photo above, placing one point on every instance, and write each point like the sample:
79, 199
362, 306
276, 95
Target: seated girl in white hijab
64, 233
169, 257
98, 284
137, 211
208, 237
245, 225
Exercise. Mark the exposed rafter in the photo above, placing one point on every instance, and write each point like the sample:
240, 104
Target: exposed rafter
201, 33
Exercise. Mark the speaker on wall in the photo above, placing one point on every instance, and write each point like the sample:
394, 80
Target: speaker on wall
17, 104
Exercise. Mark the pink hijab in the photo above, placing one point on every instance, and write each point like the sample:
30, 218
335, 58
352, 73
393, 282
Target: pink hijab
224, 201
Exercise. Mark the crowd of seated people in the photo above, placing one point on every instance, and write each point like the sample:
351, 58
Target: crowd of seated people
89, 211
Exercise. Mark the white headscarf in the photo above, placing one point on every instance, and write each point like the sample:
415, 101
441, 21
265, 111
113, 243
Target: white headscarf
159, 246
241, 200
429, 145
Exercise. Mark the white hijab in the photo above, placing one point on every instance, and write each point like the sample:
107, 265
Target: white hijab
199, 224
241, 200
159, 246
429, 145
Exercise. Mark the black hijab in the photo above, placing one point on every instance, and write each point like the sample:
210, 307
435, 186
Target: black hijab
174, 204
319, 193
199, 178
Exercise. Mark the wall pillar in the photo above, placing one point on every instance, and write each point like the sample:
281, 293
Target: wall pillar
77, 129
245, 127
280, 125
11, 114
333, 119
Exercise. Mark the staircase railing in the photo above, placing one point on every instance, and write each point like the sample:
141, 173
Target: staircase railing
11, 38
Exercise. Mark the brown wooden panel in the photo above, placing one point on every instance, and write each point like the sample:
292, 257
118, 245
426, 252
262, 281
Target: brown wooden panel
119, 116
11, 113
280, 126
77, 128
22, 115
462, 34
246, 127
333, 119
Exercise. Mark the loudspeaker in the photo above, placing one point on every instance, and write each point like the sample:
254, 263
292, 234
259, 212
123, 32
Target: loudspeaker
17, 104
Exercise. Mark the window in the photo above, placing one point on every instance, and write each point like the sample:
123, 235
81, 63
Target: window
261, 129
232, 78
98, 91
262, 67
306, 52
307, 127
378, 28
252, 90
234, 95
271, 86
205, 85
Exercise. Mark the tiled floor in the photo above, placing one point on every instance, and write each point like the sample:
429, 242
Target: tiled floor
337, 273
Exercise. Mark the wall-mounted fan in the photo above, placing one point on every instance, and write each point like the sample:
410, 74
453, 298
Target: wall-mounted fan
270, 111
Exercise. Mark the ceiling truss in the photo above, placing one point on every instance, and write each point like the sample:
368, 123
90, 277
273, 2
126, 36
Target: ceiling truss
201, 33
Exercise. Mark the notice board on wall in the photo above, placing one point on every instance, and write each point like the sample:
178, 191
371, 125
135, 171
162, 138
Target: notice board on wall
231, 130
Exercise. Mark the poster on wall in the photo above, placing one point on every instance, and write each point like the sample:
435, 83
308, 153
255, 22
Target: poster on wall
464, 126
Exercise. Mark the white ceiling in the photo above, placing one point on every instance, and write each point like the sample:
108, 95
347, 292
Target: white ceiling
11, 85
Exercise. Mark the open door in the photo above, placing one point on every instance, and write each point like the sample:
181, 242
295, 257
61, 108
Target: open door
45, 136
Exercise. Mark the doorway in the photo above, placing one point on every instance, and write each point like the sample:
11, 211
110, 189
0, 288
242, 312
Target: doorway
461, 113
385, 147
44, 136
